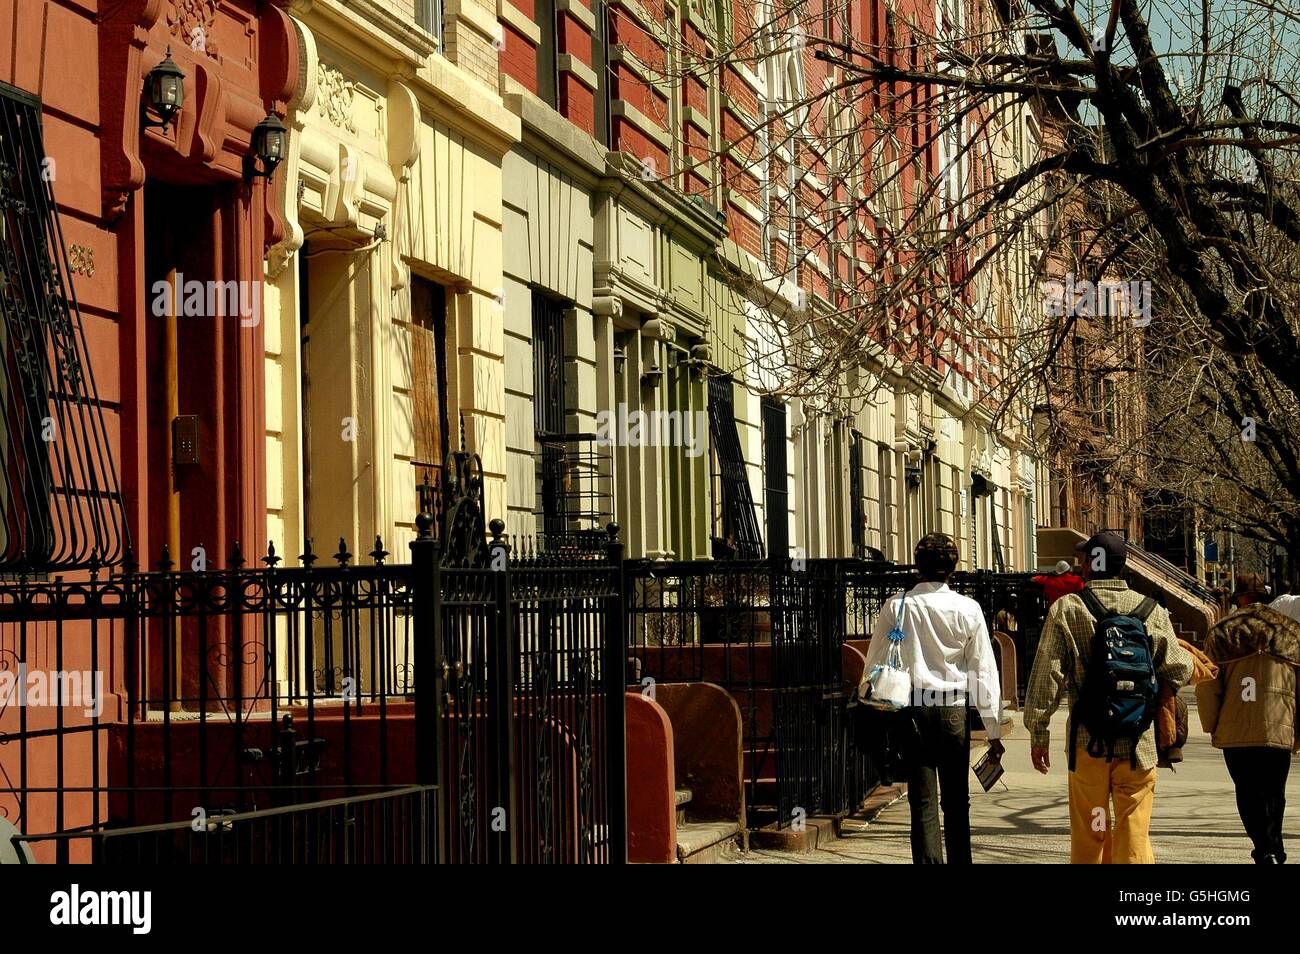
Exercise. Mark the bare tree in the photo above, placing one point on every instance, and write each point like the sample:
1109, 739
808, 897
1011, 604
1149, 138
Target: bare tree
887, 160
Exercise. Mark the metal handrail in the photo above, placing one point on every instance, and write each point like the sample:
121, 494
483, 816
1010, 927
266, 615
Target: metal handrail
217, 822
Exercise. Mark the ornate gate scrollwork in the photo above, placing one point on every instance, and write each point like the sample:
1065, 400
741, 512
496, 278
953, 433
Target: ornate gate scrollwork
463, 533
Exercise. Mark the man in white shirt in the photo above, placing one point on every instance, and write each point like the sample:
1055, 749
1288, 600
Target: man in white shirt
947, 651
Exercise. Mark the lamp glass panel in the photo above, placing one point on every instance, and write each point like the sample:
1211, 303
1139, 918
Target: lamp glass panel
274, 144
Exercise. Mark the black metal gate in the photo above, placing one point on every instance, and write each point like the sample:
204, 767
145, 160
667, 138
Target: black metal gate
464, 707
523, 731
808, 676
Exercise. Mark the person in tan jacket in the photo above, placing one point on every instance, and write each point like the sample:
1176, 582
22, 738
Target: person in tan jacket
1250, 710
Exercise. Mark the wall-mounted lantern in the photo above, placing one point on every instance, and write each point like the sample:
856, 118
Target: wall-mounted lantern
270, 145
652, 377
620, 359
164, 93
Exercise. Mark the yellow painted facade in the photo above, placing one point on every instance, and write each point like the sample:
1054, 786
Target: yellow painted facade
393, 178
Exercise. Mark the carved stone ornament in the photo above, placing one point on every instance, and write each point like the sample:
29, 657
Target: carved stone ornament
190, 21
334, 97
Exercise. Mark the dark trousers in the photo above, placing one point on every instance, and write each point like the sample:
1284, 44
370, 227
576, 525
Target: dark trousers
1260, 772
940, 776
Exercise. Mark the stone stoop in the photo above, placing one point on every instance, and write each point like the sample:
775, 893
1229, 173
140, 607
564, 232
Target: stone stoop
822, 829
703, 842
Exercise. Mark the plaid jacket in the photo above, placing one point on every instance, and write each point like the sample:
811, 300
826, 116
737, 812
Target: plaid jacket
1063, 653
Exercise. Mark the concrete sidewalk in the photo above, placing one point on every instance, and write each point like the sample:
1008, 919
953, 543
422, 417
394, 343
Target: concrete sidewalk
1027, 821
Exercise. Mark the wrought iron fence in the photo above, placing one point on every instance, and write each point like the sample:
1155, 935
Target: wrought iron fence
211, 689
531, 672
489, 674
234, 692
773, 638
773, 635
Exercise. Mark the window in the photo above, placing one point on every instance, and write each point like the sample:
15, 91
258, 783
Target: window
857, 509
885, 503
600, 58
775, 474
60, 510
1108, 405
429, 387
428, 17
675, 77
736, 523
548, 77
549, 414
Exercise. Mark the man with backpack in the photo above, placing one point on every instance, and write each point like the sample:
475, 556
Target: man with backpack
1106, 649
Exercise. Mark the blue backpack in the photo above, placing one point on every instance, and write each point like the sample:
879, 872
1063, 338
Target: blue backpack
1118, 699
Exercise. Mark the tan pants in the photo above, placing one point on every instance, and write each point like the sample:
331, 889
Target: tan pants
1095, 836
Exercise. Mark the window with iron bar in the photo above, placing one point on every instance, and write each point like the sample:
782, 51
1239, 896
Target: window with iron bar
59, 495
736, 520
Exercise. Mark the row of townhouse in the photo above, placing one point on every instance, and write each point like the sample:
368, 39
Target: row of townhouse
542, 242
505, 226
264, 264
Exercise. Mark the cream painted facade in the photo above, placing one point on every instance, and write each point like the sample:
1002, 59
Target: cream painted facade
549, 242
921, 443
393, 180
624, 262
651, 282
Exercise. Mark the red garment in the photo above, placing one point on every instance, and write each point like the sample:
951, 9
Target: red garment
1057, 586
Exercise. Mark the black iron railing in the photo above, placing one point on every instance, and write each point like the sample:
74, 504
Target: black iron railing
492, 674
772, 633
384, 827
772, 636
232, 692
